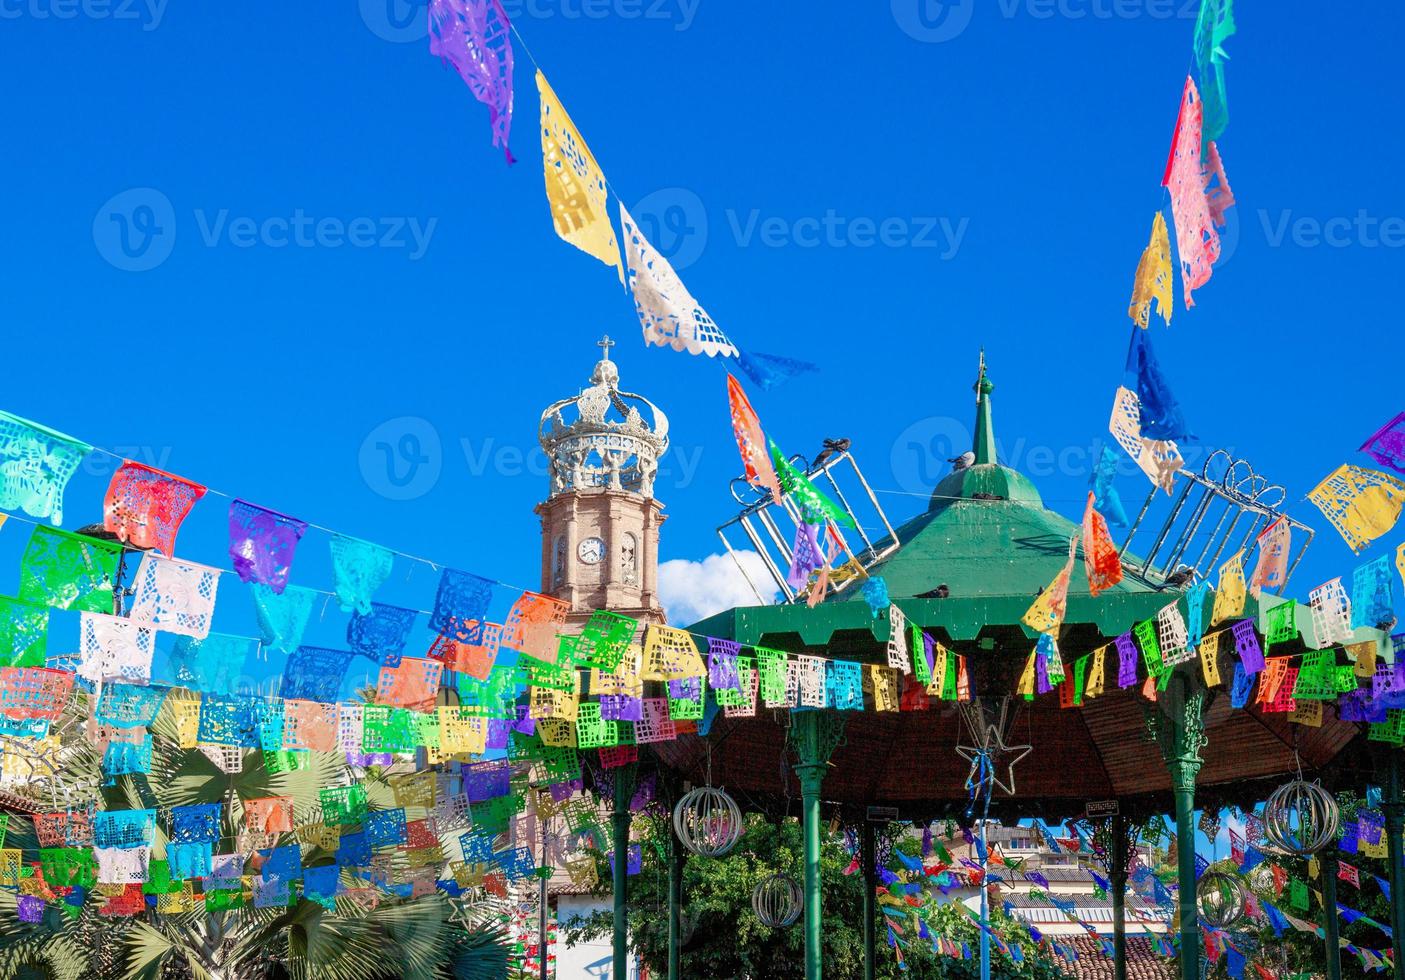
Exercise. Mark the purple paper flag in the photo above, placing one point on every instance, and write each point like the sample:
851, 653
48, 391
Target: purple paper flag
1387, 446
1127, 660
621, 707
722, 664
474, 37
30, 908
1246, 644
262, 542
805, 556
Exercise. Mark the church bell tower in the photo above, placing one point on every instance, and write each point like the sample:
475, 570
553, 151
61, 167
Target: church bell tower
600, 522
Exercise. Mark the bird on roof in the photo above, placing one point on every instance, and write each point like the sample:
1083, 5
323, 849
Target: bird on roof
964, 461
831, 447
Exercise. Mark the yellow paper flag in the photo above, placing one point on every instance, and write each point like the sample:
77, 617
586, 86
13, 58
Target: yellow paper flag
575, 185
1362, 504
1231, 591
1154, 277
1046, 614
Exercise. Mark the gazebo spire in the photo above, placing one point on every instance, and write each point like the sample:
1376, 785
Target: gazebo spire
984, 446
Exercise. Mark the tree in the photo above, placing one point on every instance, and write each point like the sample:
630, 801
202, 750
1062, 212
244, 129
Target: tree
727, 940
432, 938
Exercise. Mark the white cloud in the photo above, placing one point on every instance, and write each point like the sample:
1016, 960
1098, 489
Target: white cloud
693, 590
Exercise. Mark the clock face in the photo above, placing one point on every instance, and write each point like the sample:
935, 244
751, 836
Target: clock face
591, 550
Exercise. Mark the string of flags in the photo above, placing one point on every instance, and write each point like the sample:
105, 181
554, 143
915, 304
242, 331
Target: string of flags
475, 38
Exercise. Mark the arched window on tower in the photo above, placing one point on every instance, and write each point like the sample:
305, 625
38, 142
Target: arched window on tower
629, 559
558, 563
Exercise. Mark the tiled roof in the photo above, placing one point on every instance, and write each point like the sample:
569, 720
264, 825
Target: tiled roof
1092, 964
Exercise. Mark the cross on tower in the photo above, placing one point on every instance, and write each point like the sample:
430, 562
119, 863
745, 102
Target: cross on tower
605, 344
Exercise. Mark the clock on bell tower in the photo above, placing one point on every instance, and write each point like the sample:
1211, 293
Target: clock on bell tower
600, 522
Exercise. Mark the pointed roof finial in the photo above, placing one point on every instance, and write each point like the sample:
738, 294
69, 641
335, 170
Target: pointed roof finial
605, 343
984, 442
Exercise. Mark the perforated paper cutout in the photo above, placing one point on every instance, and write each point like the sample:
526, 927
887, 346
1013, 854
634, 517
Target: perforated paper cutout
36, 464
669, 314
814, 505
314, 674
1160, 460
575, 185
1231, 591
283, 618
532, 625
1271, 568
1198, 207
1373, 593
461, 606
670, 654
899, 658
474, 36
24, 632
1362, 504
262, 543
112, 648
1331, 613
145, 506
1046, 613
68, 571
381, 633
1154, 277
1101, 559
310, 726
214, 664
751, 442
174, 596
1172, 637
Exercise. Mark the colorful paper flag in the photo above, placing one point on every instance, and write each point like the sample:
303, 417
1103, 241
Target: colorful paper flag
475, 37
1198, 208
751, 443
1100, 556
1271, 569
1362, 504
575, 185
669, 314
1046, 613
1160, 460
1153, 279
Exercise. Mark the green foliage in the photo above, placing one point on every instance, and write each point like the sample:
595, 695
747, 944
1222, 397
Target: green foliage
728, 941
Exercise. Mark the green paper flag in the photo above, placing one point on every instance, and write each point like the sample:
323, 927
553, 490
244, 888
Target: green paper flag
815, 507
68, 571
1213, 27
1297, 895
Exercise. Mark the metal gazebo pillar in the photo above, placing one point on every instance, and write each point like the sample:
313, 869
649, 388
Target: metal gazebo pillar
1180, 738
1117, 873
815, 733
867, 857
1331, 936
624, 792
1394, 807
675, 908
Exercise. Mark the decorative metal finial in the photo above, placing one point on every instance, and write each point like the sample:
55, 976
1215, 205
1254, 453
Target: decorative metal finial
605, 344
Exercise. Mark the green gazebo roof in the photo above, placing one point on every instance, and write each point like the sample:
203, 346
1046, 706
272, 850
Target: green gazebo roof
988, 538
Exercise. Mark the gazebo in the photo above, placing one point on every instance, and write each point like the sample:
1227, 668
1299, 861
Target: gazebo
966, 571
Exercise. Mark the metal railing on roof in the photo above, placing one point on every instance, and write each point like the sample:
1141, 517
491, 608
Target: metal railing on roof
1229, 482
773, 541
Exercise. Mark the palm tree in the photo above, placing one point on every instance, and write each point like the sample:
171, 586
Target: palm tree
430, 938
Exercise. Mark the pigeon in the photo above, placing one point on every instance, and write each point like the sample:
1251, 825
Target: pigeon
831, 446
964, 461
940, 592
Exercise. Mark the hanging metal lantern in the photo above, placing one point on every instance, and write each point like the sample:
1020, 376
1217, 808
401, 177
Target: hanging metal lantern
1301, 818
777, 901
707, 821
1220, 899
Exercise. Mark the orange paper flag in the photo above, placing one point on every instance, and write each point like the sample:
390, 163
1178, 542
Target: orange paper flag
1271, 569
750, 442
1100, 557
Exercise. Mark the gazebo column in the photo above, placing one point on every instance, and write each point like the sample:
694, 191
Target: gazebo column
870, 885
1181, 736
1331, 936
1394, 807
1117, 875
675, 909
624, 792
815, 734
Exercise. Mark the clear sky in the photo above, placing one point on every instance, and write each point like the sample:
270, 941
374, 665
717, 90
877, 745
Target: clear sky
1012, 149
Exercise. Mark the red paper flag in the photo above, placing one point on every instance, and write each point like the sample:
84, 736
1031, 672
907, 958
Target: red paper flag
1197, 209
1100, 556
145, 506
750, 442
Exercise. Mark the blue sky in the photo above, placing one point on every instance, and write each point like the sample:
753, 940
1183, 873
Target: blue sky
1013, 149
